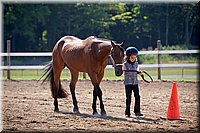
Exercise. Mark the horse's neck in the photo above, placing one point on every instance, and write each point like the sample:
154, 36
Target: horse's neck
103, 51
100, 47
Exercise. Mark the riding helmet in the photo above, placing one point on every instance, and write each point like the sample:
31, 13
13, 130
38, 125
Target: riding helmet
131, 50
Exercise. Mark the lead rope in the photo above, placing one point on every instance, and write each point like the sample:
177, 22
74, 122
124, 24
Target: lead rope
141, 75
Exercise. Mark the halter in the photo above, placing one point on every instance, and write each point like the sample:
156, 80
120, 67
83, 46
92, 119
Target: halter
113, 61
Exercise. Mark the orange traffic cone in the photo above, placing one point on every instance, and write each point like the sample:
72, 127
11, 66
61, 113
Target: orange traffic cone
173, 107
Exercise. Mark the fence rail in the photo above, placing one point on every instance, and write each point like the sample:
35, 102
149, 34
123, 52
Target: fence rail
140, 53
49, 54
110, 66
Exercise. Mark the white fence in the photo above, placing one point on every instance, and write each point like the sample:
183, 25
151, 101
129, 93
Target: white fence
109, 66
39, 54
49, 54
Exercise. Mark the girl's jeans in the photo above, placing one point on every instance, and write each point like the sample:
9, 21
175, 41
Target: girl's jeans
129, 89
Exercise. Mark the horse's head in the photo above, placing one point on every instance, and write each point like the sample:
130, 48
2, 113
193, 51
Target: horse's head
117, 56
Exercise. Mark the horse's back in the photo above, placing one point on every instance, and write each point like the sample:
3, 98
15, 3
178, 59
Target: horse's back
72, 38
74, 41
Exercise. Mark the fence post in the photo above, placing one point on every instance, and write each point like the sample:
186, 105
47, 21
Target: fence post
8, 59
159, 70
182, 72
84, 75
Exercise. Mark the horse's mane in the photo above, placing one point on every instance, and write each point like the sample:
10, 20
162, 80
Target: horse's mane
103, 39
100, 39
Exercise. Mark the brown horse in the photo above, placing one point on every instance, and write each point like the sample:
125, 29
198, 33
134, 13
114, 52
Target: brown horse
90, 56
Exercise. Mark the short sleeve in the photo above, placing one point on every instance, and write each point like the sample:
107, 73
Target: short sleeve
124, 66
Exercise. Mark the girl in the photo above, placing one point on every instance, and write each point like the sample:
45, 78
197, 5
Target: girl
131, 81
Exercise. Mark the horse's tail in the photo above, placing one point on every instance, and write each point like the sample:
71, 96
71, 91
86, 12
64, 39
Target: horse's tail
48, 72
57, 92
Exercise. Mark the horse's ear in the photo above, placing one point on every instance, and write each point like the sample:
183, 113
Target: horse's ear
113, 44
122, 44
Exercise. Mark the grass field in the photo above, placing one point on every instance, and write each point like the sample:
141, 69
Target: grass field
177, 74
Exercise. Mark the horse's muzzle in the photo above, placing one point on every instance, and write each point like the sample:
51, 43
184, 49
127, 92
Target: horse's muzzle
118, 71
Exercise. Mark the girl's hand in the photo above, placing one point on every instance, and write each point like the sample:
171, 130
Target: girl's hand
140, 73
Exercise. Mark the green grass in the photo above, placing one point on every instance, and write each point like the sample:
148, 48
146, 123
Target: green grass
109, 74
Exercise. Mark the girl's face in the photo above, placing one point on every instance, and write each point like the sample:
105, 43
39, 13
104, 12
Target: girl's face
132, 58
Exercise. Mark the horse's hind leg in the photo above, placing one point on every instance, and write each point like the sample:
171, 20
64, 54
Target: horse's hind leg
58, 86
57, 91
74, 79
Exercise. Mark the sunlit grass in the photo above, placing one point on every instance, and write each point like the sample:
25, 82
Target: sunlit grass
108, 75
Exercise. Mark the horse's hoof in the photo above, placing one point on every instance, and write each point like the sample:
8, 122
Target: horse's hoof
56, 110
76, 111
95, 113
103, 113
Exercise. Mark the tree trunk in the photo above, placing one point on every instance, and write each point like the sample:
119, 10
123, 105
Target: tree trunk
158, 28
68, 27
167, 26
50, 36
187, 29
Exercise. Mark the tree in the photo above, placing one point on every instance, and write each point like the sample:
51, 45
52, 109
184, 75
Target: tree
190, 12
37, 27
23, 25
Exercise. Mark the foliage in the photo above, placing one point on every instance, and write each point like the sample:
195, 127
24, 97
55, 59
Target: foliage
37, 27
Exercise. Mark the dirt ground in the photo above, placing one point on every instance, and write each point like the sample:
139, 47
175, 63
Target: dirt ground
28, 106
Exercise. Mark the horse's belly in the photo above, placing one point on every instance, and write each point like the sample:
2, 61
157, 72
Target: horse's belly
76, 68
76, 63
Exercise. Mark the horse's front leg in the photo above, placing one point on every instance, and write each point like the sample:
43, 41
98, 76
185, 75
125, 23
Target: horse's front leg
98, 91
94, 102
56, 105
100, 77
